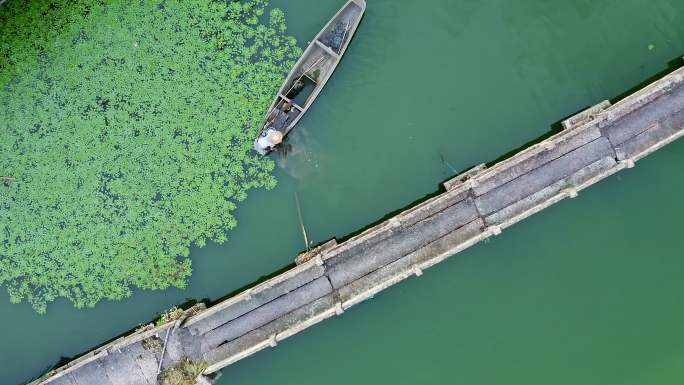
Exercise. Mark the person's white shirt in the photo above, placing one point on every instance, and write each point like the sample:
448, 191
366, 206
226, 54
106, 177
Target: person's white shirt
264, 143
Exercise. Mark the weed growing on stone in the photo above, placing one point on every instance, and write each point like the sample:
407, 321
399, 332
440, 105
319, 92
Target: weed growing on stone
184, 373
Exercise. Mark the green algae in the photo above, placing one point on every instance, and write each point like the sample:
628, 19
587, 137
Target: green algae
126, 130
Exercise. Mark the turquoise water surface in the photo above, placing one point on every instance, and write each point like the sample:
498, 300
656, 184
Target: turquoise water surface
588, 292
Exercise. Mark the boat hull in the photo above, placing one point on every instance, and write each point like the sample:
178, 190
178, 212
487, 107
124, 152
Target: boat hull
312, 71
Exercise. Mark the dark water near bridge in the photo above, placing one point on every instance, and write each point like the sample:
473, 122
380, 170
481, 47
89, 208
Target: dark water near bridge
589, 291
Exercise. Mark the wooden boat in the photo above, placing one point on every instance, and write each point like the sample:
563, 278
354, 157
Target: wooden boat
311, 72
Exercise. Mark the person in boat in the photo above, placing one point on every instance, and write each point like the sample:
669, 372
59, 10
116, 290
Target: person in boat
269, 139
287, 107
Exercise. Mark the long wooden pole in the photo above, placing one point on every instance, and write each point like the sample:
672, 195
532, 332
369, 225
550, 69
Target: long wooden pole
166, 339
301, 221
448, 164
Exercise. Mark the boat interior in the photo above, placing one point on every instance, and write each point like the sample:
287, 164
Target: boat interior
336, 33
297, 93
283, 113
312, 72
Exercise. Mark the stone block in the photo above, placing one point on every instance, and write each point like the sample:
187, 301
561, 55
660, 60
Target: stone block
342, 270
92, 373
542, 177
255, 297
521, 165
639, 120
266, 313
122, 369
651, 136
264, 336
409, 265
585, 116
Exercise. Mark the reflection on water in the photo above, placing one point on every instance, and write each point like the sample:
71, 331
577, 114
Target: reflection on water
301, 155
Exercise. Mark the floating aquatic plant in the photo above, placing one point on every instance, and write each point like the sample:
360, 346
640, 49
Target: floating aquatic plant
126, 130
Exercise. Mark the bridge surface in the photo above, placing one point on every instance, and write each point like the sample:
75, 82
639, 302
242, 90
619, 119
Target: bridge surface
329, 280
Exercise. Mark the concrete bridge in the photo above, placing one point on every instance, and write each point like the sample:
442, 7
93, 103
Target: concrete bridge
329, 280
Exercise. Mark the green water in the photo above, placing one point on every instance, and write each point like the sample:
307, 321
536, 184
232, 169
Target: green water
587, 292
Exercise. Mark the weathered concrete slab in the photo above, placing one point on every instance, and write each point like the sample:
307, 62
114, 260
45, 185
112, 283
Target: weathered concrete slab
359, 262
72, 366
641, 98
509, 212
82, 365
272, 333
266, 313
122, 369
407, 218
368, 237
254, 298
542, 177
641, 119
585, 116
92, 373
180, 345
146, 360
599, 168
431, 207
658, 132
409, 265
558, 146
549, 195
